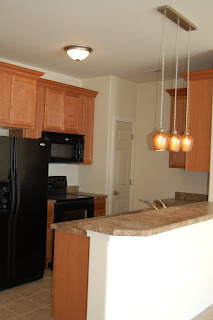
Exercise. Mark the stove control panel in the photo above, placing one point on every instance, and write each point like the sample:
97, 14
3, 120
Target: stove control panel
57, 182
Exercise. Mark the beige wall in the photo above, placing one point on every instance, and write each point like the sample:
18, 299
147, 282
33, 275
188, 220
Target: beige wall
153, 178
116, 100
92, 178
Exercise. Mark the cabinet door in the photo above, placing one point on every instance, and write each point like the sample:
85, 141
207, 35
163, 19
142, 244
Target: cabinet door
99, 207
200, 115
73, 113
39, 115
23, 96
54, 110
5, 96
88, 128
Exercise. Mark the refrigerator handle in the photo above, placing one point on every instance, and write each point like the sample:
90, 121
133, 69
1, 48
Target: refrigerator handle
12, 206
15, 215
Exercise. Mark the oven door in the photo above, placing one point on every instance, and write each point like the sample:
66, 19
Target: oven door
73, 210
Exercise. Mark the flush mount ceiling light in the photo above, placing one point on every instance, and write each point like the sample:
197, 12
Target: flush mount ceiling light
78, 53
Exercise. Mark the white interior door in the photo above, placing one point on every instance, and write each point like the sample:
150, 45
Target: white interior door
122, 167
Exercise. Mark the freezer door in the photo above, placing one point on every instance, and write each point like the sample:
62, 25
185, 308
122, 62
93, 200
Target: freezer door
29, 231
6, 144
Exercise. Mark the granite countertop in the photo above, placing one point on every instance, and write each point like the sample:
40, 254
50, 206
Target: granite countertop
182, 198
145, 223
75, 189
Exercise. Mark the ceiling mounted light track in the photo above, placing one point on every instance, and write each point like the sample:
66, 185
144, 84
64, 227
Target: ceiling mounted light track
173, 15
78, 53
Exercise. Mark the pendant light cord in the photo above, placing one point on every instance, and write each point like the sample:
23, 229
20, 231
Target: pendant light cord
188, 85
176, 72
163, 67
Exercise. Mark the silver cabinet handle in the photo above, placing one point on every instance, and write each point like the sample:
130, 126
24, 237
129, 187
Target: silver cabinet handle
116, 193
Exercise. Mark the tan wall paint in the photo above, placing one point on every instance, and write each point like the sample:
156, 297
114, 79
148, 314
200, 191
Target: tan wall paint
153, 178
92, 178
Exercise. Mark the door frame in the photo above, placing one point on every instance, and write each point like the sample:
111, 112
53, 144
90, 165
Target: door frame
115, 119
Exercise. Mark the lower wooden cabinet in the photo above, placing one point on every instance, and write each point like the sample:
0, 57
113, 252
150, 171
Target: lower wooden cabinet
99, 207
70, 276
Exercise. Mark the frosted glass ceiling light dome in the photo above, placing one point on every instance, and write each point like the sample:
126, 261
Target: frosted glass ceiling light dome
78, 53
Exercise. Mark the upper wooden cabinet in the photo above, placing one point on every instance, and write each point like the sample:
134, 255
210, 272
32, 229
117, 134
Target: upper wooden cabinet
17, 96
88, 128
65, 108
200, 115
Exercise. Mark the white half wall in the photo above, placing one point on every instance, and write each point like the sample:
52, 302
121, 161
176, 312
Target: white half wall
167, 276
153, 179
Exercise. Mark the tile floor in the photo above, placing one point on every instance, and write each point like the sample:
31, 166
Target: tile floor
206, 314
30, 301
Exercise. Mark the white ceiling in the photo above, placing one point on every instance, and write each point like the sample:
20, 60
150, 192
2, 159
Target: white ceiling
125, 36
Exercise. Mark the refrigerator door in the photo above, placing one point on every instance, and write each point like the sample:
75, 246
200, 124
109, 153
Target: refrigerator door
30, 217
6, 161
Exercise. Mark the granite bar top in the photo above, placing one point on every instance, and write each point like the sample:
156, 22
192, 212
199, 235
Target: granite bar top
145, 223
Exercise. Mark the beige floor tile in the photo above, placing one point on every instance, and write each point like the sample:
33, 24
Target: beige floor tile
6, 314
26, 290
18, 318
48, 273
7, 296
22, 306
45, 283
44, 298
40, 314
206, 314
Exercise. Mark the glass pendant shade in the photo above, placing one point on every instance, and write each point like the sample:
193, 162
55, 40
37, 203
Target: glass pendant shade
174, 142
187, 142
160, 140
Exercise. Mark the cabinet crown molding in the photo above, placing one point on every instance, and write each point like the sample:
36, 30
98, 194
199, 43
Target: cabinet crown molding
198, 75
66, 87
181, 92
20, 71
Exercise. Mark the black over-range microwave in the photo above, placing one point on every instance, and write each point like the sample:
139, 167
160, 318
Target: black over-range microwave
65, 148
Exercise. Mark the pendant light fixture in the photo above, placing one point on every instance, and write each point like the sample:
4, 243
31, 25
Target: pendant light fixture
160, 138
174, 143
187, 140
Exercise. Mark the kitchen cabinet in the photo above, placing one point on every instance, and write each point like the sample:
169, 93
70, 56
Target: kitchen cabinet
88, 128
59, 108
49, 239
70, 276
99, 207
17, 96
69, 109
200, 114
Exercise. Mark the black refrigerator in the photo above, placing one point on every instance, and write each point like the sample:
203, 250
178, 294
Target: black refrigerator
23, 209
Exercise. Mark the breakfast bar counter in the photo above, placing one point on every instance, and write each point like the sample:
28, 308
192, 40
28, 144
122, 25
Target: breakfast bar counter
154, 264
143, 223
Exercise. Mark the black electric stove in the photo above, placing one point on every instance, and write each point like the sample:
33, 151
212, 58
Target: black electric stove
57, 190
68, 206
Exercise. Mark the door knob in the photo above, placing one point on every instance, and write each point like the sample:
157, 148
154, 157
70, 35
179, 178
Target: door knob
116, 193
